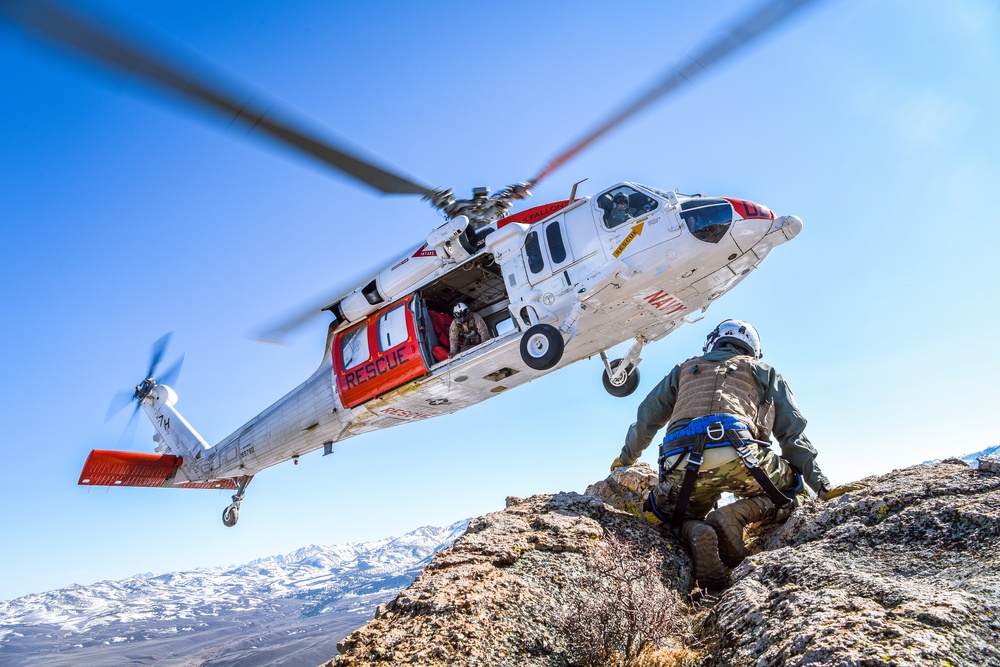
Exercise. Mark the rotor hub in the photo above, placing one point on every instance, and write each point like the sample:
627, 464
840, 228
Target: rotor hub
482, 208
143, 390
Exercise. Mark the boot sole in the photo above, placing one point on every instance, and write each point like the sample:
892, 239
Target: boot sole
708, 568
731, 553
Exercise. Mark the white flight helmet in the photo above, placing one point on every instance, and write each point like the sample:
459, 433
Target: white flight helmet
461, 311
738, 332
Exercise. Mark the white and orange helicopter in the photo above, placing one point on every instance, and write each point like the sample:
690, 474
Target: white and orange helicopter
554, 284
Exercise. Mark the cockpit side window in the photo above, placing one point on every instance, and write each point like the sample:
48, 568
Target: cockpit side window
708, 220
622, 203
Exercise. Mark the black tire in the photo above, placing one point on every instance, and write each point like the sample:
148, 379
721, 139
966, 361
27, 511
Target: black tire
542, 347
627, 388
230, 516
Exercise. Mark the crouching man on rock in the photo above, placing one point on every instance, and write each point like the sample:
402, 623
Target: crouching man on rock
722, 408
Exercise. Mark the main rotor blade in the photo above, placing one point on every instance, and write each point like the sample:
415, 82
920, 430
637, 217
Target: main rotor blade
279, 329
738, 37
57, 26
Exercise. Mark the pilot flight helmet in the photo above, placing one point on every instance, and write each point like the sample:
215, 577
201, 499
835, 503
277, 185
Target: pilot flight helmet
620, 197
738, 333
461, 312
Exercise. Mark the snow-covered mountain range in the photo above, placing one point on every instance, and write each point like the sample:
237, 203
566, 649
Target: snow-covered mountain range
972, 459
309, 598
989, 451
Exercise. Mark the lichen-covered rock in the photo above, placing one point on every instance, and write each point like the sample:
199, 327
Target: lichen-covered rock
495, 596
626, 488
989, 464
904, 572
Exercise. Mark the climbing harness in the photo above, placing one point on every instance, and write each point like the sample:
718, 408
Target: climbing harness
709, 432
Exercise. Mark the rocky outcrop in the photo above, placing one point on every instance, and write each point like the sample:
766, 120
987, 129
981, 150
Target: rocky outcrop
500, 594
903, 572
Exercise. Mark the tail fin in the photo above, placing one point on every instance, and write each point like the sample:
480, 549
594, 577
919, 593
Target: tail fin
173, 434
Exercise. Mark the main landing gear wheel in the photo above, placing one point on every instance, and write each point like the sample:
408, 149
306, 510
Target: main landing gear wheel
231, 515
542, 347
624, 387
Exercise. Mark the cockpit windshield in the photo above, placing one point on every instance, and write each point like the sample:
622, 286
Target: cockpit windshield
662, 193
707, 219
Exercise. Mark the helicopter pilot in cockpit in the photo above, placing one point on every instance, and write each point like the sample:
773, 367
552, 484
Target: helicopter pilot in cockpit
620, 211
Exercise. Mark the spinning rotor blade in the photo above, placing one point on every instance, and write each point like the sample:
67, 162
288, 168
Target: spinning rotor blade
279, 332
169, 376
121, 400
279, 329
738, 37
156, 353
127, 439
55, 25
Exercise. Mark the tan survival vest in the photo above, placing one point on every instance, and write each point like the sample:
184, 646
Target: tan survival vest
723, 387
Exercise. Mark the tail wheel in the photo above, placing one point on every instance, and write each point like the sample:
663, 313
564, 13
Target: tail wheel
624, 387
230, 516
542, 347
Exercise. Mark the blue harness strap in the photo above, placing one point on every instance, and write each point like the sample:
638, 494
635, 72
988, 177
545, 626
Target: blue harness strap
700, 425
714, 426
705, 433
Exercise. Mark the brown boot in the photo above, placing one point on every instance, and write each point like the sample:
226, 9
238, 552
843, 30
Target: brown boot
704, 546
729, 522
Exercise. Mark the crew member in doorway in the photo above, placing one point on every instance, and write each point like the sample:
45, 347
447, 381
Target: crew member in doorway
467, 330
722, 408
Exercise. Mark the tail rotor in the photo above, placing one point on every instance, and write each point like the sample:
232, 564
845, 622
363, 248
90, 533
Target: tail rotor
122, 399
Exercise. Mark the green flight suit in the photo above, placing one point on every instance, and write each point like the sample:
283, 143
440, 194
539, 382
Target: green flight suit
727, 475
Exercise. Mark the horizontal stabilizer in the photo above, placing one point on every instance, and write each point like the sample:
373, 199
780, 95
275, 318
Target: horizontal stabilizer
211, 484
110, 468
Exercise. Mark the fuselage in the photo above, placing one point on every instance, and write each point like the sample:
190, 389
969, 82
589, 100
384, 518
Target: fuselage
600, 276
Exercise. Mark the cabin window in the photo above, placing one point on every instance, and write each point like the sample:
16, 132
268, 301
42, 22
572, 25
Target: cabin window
533, 250
707, 219
354, 347
553, 236
392, 328
505, 325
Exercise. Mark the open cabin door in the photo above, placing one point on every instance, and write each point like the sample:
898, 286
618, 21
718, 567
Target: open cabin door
378, 354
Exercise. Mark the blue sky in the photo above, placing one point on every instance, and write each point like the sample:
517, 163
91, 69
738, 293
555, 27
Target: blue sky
125, 215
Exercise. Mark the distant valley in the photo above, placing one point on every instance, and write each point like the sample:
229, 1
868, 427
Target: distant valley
282, 610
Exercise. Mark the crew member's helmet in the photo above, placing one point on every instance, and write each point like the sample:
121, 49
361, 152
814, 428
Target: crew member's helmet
620, 197
461, 312
738, 333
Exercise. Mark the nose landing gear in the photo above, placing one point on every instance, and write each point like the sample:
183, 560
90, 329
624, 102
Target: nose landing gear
621, 376
622, 384
231, 514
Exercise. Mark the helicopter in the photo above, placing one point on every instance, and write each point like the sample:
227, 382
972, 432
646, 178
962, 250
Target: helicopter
553, 284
